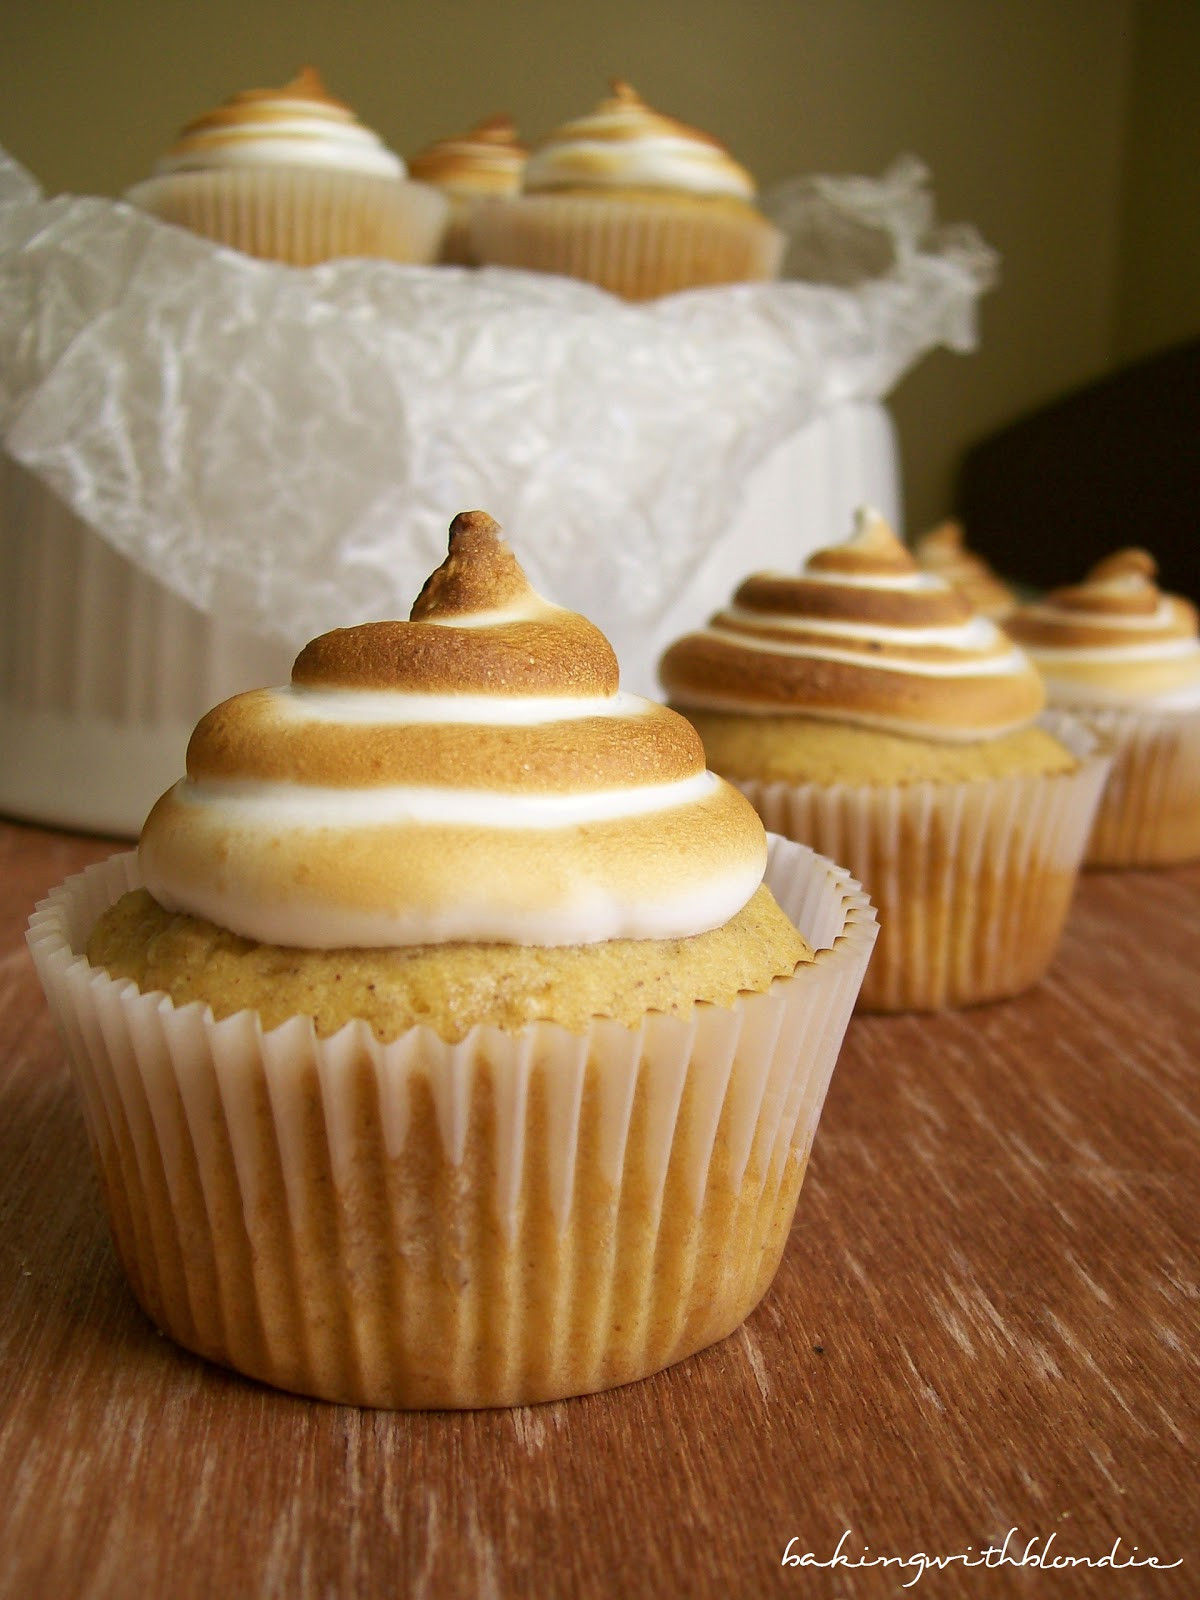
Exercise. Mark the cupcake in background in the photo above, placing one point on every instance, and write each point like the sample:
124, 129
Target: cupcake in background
483, 164
1124, 658
944, 550
635, 202
865, 709
444, 1046
291, 175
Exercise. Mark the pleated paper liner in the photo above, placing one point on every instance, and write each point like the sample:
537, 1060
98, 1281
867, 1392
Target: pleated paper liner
971, 881
636, 249
509, 1219
301, 216
456, 247
1149, 813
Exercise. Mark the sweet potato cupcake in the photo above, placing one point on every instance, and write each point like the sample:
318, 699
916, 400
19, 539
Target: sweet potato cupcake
1124, 658
943, 550
484, 164
635, 202
441, 1046
865, 709
291, 175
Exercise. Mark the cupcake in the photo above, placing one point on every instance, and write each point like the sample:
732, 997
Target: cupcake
291, 175
1124, 659
635, 202
441, 1045
484, 164
865, 709
944, 550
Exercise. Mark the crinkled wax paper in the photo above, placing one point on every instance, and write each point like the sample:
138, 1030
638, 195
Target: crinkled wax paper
286, 447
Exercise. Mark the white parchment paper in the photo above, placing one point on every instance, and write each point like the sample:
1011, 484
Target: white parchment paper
287, 447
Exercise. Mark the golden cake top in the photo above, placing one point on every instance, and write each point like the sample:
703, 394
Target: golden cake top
486, 161
299, 125
474, 773
944, 550
623, 144
862, 635
1114, 639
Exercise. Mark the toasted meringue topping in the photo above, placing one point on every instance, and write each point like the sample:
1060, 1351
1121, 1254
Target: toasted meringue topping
863, 636
300, 125
474, 773
943, 550
489, 160
1114, 639
623, 144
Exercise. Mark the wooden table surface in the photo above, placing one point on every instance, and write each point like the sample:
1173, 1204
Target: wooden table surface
986, 1319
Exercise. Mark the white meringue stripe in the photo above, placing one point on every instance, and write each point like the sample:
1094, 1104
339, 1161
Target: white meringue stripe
245, 803
394, 707
1146, 650
654, 162
1164, 615
1013, 663
1080, 694
593, 913
976, 634
894, 582
325, 878
323, 147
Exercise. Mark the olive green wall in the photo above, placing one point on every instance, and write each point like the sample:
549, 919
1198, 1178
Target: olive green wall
1158, 289
1022, 109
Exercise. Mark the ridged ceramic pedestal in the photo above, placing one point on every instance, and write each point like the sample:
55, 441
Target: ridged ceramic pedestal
104, 672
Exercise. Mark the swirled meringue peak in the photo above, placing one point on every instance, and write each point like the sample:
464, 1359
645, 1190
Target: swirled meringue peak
1115, 639
623, 144
300, 125
474, 773
488, 160
862, 636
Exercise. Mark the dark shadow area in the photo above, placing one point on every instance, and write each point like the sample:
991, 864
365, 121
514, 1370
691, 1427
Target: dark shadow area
1116, 463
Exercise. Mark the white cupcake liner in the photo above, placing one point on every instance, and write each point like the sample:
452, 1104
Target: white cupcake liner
636, 249
509, 1219
301, 216
971, 881
1149, 813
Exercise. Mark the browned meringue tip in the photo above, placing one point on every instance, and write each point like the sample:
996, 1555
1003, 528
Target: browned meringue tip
944, 549
499, 127
495, 135
535, 647
1132, 562
622, 96
480, 573
873, 543
620, 89
306, 85
1123, 581
946, 539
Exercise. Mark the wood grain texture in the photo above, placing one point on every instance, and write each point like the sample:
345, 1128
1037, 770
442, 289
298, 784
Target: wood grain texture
987, 1317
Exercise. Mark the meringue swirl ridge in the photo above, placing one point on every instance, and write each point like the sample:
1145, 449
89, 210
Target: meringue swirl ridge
623, 144
943, 550
1115, 639
472, 774
488, 160
300, 125
860, 636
